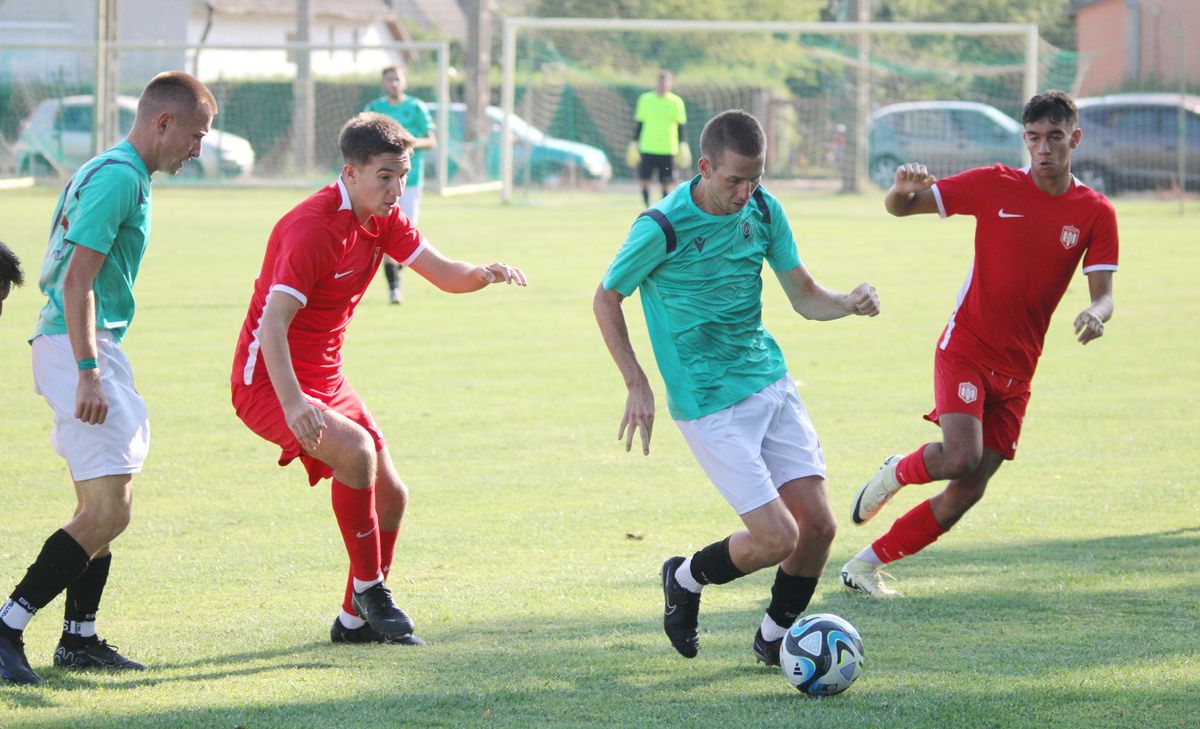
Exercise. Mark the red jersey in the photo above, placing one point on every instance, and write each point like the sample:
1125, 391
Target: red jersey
320, 254
1027, 246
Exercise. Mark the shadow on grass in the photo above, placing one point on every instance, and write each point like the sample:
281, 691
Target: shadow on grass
970, 647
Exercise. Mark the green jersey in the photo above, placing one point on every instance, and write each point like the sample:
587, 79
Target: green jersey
700, 277
105, 207
413, 115
660, 117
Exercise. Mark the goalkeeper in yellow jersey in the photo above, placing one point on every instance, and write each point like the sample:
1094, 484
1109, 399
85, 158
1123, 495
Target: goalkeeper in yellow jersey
658, 139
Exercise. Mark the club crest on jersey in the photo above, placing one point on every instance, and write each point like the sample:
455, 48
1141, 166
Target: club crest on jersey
1069, 236
967, 392
746, 231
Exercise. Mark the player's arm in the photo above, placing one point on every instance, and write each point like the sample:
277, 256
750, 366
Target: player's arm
639, 403
79, 312
911, 193
304, 418
460, 277
429, 141
813, 301
1089, 324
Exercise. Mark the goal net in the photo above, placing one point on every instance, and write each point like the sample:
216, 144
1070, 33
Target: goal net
826, 93
275, 125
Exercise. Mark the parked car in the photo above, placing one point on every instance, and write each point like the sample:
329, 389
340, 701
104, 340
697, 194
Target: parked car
1131, 142
536, 155
945, 136
57, 138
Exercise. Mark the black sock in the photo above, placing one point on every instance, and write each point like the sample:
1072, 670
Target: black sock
83, 599
713, 565
389, 272
60, 563
646, 197
789, 596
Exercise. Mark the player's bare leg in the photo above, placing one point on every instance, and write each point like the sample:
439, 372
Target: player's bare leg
102, 512
796, 578
962, 448
349, 450
391, 500
962, 493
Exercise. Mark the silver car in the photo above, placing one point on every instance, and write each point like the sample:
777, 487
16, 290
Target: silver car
945, 136
57, 138
1132, 142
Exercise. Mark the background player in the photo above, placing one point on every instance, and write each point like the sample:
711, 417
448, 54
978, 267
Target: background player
413, 115
658, 138
10, 273
98, 236
697, 257
1033, 226
287, 379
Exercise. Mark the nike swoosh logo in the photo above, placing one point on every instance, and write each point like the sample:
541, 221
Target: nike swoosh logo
347, 273
367, 533
855, 516
1010, 215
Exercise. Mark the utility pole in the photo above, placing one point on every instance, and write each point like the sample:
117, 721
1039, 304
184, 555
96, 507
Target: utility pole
303, 92
477, 91
104, 106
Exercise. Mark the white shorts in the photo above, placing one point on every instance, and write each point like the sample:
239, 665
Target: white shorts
753, 447
410, 203
118, 445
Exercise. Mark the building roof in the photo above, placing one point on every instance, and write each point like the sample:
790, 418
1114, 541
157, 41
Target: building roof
442, 17
347, 9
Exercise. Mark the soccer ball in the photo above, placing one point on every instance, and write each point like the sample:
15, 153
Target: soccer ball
821, 654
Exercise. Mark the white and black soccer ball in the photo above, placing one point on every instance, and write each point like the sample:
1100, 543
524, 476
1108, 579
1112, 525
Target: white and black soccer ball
821, 655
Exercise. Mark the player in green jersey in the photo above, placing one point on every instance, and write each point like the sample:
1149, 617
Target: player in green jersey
696, 257
413, 115
98, 236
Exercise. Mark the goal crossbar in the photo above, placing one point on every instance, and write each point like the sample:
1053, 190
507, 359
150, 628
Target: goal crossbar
514, 25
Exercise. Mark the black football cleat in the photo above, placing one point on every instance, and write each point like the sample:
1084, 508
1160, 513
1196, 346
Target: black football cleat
766, 651
366, 634
681, 611
94, 655
376, 606
14, 666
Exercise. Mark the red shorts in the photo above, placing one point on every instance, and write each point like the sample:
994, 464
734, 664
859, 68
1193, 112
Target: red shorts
998, 401
259, 408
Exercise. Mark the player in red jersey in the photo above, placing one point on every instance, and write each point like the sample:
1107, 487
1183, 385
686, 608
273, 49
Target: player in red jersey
287, 379
1033, 227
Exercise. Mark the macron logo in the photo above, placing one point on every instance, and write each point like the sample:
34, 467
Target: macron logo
1010, 215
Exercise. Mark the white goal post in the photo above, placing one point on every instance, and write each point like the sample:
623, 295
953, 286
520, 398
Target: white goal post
514, 26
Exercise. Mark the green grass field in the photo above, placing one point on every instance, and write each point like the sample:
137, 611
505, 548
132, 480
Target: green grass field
1069, 597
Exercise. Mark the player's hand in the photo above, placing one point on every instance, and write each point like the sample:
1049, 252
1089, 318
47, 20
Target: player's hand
639, 413
91, 404
683, 158
913, 177
502, 272
1088, 326
307, 423
632, 156
863, 301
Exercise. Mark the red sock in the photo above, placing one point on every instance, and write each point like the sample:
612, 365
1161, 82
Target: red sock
347, 599
387, 547
387, 550
911, 469
355, 513
910, 534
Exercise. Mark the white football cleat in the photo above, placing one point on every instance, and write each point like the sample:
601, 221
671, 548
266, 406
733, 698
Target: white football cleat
860, 576
876, 492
